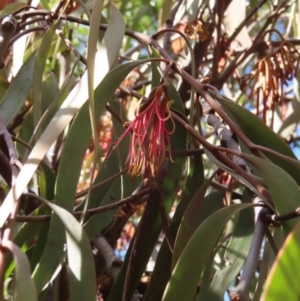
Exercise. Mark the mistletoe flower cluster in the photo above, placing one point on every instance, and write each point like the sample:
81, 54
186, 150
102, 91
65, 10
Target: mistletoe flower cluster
150, 135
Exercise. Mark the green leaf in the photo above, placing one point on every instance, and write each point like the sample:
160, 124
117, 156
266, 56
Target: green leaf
113, 38
17, 92
252, 3
218, 163
162, 269
24, 285
282, 282
260, 134
95, 19
52, 254
38, 73
23, 239
235, 255
51, 101
256, 130
69, 108
40, 245
165, 11
80, 258
198, 210
151, 228
284, 190
10, 8
47, 181
70, 166
66, 183
189, 268
98, 221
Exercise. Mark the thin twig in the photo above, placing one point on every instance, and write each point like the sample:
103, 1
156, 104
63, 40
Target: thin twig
44, 218
71, 47
285, 217
26, 31
98, 185
213, 149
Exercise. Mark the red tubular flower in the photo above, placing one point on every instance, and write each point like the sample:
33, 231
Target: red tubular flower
150, 136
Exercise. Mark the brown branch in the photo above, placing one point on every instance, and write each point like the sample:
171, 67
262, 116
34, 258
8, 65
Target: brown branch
26, 31
284, 217
113, 263
98, 185
44, 218
216, 152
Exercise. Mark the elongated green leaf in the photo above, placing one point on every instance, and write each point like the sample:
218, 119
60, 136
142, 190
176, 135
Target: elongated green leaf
8, 9
24, 285
47, 181
109, 168
260, 134
95, 19
73, 152
17, 92
235, 255
282, 282
198, 210
52, 254
40, 245
80, 259
188, 270
284, 190
71, 105
214, 160
151, 228
165, 11
51, 101
289, 123
97, 222
38, 72
162, 269
53, 249
113, 38
23, 239
255, 129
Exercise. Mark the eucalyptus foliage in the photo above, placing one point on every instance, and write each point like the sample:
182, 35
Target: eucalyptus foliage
167, 130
